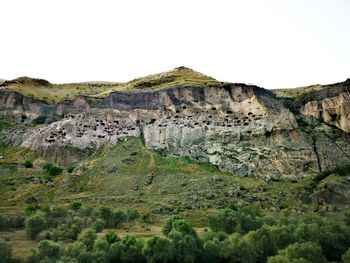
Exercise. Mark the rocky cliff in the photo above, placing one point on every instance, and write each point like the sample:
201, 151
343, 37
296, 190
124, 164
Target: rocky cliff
243, 129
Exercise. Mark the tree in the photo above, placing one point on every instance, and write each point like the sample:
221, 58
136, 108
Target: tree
76, 227
346, 257
34, 225
28, 164
299, 252
55, 171
106, 213
235, 220
48, 248
158, 249
334, 239
133, 214
112, 237
186, 244
75, 206
101, 244
70, 169
187, 248
347, 218
3, 222
99, 225
88, 237
40, 119
119, 217
47, 167
5, 251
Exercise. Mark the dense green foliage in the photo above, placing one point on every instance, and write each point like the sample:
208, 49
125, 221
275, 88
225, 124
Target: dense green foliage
40, 119
35, 224
5, 251
28, 164
236, 235
52, 170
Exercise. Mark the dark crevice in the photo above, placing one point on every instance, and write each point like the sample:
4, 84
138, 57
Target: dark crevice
314, 147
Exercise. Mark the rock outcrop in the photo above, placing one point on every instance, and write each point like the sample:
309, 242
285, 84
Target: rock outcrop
240, 128
334, 110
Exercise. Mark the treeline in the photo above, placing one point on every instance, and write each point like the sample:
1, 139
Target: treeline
236, 235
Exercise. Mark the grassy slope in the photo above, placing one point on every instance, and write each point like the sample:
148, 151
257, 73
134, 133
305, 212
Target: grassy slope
309, 92
110, 175
54, 93
112, 172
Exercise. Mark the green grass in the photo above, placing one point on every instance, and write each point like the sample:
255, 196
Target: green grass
179, 184
54, 93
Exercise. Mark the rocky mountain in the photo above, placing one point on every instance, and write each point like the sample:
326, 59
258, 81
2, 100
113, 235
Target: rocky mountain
242, 129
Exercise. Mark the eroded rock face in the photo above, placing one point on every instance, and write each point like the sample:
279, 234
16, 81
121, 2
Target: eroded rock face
242, 129
334, 110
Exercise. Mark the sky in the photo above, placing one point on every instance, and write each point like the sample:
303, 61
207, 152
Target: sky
269, 43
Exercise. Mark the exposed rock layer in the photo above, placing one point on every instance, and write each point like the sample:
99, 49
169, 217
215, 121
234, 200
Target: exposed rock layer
242, 129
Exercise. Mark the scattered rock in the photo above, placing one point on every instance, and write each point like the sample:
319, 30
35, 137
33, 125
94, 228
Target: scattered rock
149, 180
111, 169
163, 210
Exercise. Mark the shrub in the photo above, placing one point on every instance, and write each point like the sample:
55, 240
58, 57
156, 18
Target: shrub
54, 171
77, 226
5, 251
99, 225
70, 169
158, 249
47, 167
230, 221
346, 257
28, 164
48, 248
3, 222
132, 214
40, 119
88, 237
75, 205
34, 225
300, 252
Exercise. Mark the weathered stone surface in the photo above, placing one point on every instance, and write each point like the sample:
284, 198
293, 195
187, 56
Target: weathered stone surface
334, 110
242, 129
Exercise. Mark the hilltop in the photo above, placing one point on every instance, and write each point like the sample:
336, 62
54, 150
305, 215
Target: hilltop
54, 93
129, 156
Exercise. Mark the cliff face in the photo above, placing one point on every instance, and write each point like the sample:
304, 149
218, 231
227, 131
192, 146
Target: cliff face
242, 129
334, 110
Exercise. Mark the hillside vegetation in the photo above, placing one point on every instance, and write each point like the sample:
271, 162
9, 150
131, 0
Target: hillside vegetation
54, 93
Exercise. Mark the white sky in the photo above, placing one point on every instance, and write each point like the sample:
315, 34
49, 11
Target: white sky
270, 43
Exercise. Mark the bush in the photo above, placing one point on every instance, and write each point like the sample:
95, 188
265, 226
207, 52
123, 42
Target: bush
75, 205
231, 220
28, 164
132, 214
5, 251
119, 217
88, 237
40, 119
34, 225
99, 225
346, 257
47, 167
70, 169
48, 248
299, 252
3, 222
77, 226
54, 171
158, 249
